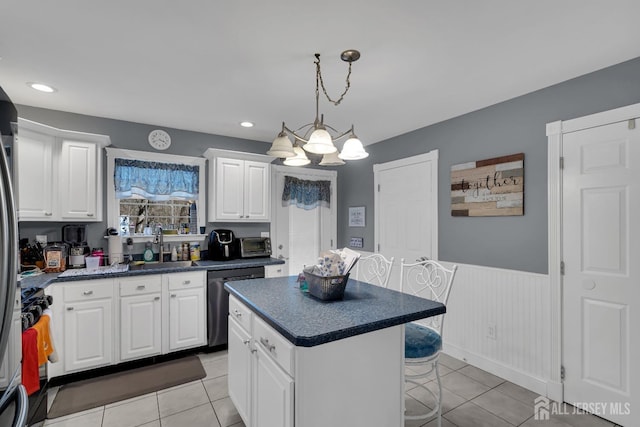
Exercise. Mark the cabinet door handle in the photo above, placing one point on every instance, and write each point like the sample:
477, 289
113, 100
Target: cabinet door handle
237, 313
265, 343
246, 342
246, 216
156, 299
173, 295
141, 287
48, 214
89, 214
69, 308
186, 282
87, 293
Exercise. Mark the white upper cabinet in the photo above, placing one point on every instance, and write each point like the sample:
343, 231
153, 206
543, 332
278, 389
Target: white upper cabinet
239, 186
58, 173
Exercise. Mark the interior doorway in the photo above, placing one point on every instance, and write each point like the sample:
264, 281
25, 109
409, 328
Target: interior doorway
406, 208
599, 195
299, 235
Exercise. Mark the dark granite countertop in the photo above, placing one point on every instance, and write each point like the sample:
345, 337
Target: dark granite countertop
307, 321
44, 280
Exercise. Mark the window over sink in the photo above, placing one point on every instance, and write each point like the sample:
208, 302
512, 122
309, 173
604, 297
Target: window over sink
154, 189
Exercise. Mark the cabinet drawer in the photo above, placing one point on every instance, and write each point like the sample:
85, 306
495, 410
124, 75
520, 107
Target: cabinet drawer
95, 289
140, 285
240, 313
278, 347
194, 279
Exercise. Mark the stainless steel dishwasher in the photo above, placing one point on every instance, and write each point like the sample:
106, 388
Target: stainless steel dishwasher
218, 300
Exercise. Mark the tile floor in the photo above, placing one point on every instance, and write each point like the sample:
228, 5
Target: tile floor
471, 398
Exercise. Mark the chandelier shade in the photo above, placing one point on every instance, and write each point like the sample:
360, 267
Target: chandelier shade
300, 158
320, 140
281, 147
353, 149
331, 159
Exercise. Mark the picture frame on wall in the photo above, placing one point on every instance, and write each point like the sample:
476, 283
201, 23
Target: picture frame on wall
356, 216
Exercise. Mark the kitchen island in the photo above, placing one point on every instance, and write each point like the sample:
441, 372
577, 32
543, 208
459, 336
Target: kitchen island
297, 361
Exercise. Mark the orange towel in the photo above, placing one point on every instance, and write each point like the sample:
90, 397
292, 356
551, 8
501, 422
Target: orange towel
30, 374
45, 347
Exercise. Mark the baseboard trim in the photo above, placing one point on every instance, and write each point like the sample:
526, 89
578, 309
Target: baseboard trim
537, 385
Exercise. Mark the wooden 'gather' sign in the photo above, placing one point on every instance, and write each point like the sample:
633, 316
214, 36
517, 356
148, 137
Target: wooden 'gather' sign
492, 187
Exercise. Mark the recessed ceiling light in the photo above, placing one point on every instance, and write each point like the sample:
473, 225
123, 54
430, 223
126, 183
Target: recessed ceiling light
246, 124
42, 87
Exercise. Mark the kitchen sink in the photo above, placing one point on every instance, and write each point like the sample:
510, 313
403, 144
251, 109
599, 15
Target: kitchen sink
161, 265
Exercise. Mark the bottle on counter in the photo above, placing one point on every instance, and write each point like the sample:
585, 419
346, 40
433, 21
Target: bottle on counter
148, 252
174, 253
195, 251
185, 252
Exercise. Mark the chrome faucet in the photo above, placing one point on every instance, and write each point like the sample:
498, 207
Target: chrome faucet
160, 240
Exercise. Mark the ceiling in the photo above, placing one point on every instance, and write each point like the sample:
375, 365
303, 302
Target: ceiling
206, 65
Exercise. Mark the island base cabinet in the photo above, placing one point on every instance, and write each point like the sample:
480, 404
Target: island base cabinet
239, 379
356, 381
273, 393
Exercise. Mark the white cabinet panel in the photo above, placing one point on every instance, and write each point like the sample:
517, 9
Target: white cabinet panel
239, 368
239, 186
187, 318
58, 173
88, 334
140, 326
273, 398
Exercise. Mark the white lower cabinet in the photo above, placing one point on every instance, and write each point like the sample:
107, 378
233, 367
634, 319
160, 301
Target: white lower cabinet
240, 368
88, 325
273, 392
259, 386
140, 317
102, 322
352, 381
186, 316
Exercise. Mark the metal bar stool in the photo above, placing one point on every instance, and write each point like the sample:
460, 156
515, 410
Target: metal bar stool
423, 339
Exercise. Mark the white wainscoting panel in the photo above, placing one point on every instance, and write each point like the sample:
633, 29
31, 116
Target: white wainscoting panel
499, 321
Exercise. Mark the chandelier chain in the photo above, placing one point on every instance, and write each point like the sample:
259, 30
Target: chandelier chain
324, 90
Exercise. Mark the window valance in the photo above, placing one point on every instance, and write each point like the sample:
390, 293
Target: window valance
306, 194
155, 180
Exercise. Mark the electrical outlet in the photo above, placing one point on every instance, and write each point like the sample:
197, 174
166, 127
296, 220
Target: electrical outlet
264, 234
492, 331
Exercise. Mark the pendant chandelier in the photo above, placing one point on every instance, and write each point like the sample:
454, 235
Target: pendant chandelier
318, 137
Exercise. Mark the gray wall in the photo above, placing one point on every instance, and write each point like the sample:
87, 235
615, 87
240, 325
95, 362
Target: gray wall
514, 126
133, 136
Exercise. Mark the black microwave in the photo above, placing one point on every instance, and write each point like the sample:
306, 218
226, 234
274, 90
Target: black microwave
252, 247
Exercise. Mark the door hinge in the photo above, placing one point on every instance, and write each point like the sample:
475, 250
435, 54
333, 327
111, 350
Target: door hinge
331, 242
378, 247
562, 268
632, 123
561, 162
562, 372
378, 188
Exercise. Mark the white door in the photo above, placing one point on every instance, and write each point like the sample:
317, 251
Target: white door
239, 378
601, 249
140, 326
88, 334
406, 208
299, 235
186, 318
273, 388
78, 189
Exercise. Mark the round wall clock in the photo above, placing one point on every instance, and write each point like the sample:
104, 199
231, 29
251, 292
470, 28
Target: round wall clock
159, 139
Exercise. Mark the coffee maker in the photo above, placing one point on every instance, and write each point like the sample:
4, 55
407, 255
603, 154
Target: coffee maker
76, 237
222, 245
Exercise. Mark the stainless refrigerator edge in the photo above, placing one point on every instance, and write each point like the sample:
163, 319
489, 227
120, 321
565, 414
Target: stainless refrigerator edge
14, 402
